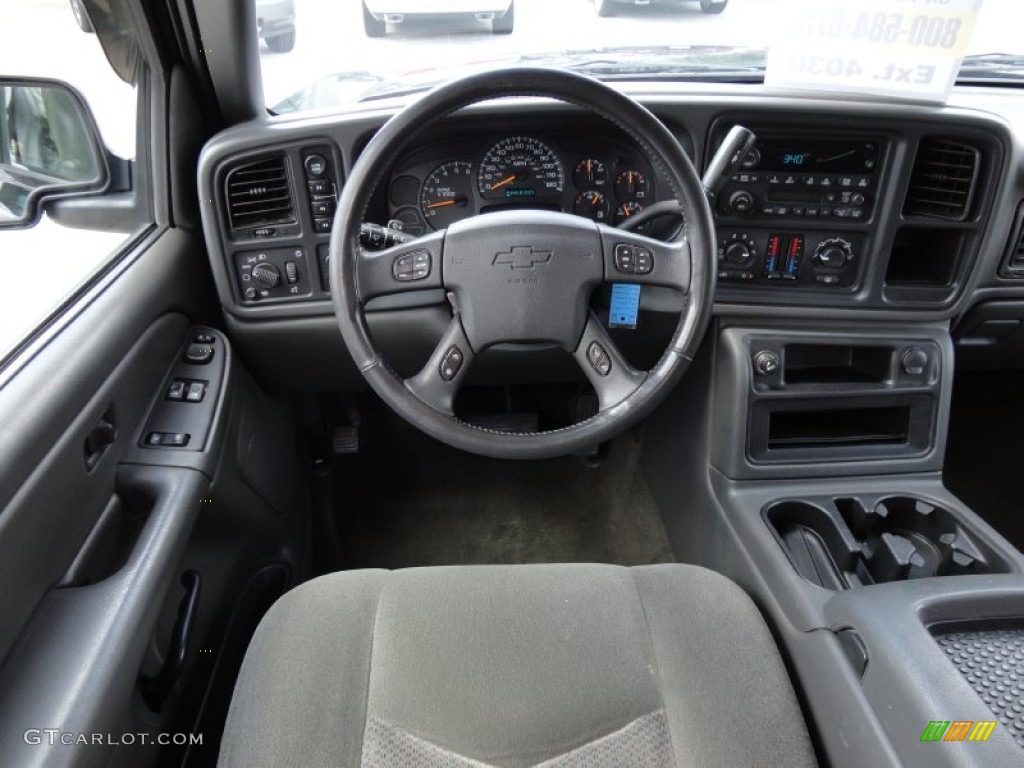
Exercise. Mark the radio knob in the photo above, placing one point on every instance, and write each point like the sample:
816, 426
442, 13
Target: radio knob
741, 201
737, 253
266, 276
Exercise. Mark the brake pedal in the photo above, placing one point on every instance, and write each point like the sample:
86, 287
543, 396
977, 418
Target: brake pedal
345, 439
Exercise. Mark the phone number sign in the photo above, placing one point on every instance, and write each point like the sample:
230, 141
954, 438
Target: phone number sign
909, 49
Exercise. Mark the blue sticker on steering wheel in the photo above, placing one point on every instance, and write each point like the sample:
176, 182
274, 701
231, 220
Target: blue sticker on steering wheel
625, 306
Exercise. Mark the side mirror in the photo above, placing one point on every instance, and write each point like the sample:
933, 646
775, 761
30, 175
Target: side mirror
49, 148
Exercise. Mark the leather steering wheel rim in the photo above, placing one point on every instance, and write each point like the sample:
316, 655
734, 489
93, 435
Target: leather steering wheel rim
424, 400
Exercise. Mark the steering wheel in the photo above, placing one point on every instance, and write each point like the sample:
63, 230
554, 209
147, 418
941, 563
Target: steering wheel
524, 276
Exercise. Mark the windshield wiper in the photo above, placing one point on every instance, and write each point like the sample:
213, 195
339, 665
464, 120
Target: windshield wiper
987, 67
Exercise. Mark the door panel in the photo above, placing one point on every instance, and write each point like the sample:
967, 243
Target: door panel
71, 654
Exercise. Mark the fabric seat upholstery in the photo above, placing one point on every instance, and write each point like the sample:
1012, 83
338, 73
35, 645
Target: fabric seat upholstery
553, 665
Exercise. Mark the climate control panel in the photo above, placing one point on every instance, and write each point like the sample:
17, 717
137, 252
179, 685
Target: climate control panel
788, 258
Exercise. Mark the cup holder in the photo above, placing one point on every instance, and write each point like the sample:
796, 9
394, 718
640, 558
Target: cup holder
846, 542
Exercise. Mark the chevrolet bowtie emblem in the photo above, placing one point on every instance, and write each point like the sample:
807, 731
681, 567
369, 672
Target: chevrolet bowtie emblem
522, 257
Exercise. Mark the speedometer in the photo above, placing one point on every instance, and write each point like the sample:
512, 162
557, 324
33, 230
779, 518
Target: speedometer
520, 166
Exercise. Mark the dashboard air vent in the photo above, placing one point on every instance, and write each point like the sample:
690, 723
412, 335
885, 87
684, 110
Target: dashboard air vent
943, 180
259, 194
1013, 266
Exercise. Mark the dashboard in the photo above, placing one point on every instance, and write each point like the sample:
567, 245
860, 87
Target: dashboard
602, 179
860, 212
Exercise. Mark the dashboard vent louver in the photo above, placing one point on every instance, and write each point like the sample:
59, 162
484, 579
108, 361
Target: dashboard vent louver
1014, 264
259, 194
943, 180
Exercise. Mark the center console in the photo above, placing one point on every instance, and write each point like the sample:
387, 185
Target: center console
811, 471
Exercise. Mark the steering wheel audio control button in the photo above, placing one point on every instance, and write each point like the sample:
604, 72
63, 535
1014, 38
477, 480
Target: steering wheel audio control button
411, 266
633, 259
625, 258
451, 363
599, 359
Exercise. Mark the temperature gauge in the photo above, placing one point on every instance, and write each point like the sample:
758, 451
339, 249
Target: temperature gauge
631, 185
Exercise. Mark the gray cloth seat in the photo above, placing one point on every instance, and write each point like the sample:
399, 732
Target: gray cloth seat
553, 665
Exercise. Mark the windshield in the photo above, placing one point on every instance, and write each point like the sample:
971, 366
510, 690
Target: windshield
326, 53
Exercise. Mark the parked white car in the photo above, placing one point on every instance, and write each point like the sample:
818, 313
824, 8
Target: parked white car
377, 14
607, 7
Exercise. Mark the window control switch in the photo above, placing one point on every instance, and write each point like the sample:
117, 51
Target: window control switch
196, 392
177, 390
168, 439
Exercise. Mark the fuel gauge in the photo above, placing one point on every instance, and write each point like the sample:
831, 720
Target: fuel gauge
591, 204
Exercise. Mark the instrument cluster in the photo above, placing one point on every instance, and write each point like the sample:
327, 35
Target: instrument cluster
603, 180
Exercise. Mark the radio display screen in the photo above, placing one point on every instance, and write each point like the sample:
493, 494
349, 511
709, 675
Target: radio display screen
817, 156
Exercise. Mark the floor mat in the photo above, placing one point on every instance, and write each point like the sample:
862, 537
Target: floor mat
408, 500
986, 438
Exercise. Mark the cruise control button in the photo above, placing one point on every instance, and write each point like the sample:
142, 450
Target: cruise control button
451, 363
599, 359
643, 262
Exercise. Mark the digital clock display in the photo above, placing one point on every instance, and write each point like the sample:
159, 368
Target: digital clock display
818, 156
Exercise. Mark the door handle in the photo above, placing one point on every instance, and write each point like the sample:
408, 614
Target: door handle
100, 438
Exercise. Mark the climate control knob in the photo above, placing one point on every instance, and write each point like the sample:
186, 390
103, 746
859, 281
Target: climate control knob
832, 254
266, 276
737, 253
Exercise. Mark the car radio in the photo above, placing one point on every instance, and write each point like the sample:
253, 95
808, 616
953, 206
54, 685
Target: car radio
804, 179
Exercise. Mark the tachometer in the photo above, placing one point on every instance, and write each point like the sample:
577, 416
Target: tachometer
520, 166
447, 194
